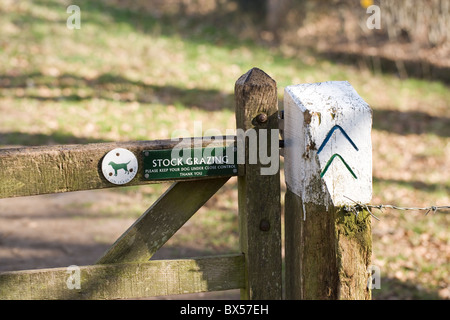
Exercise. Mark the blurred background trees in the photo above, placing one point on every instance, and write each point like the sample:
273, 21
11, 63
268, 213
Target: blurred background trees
413, 39
424, 22
421, 21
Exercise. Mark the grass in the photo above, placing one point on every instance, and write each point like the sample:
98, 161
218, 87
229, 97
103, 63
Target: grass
132, 74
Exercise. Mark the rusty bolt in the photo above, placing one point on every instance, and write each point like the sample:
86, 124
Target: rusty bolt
264, 225
262, 118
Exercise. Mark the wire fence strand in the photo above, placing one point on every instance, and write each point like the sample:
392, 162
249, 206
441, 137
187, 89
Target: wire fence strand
359, 207
433, 209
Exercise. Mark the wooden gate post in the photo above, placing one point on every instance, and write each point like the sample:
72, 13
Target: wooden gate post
259, 189
328, 167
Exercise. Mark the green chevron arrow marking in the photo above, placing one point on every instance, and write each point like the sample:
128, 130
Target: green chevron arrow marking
331, 160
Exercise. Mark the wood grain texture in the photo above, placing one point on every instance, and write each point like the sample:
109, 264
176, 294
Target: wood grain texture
259, 195
328, 250
328, 253
127, 280
53, 169
161, 221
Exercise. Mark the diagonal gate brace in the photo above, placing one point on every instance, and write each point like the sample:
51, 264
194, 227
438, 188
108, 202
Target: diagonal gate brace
161, 221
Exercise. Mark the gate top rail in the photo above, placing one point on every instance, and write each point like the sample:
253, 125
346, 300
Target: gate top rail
27, 171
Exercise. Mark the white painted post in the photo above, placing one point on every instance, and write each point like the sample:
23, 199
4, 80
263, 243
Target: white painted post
328, 123
328, 165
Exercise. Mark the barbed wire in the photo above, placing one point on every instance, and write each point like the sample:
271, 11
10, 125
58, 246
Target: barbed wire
433, 209
359, 207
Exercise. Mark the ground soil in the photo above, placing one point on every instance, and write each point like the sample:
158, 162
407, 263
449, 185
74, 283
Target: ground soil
60, 230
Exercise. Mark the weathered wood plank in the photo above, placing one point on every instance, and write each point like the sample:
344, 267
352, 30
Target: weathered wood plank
162, 220
52, 169
328, 160
328, 253
127, 280
259, 195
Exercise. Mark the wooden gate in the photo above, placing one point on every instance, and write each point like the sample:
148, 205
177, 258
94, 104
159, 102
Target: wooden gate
328, 241
124, 271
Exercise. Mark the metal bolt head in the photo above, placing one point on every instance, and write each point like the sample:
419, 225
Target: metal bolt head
262, 118
264, 225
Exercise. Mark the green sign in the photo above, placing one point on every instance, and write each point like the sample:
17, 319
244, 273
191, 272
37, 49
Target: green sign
189, 163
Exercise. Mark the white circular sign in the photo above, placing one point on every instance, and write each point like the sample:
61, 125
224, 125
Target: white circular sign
119, 166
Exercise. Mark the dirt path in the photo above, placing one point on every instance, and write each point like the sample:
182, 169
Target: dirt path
55, 230
60, 230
